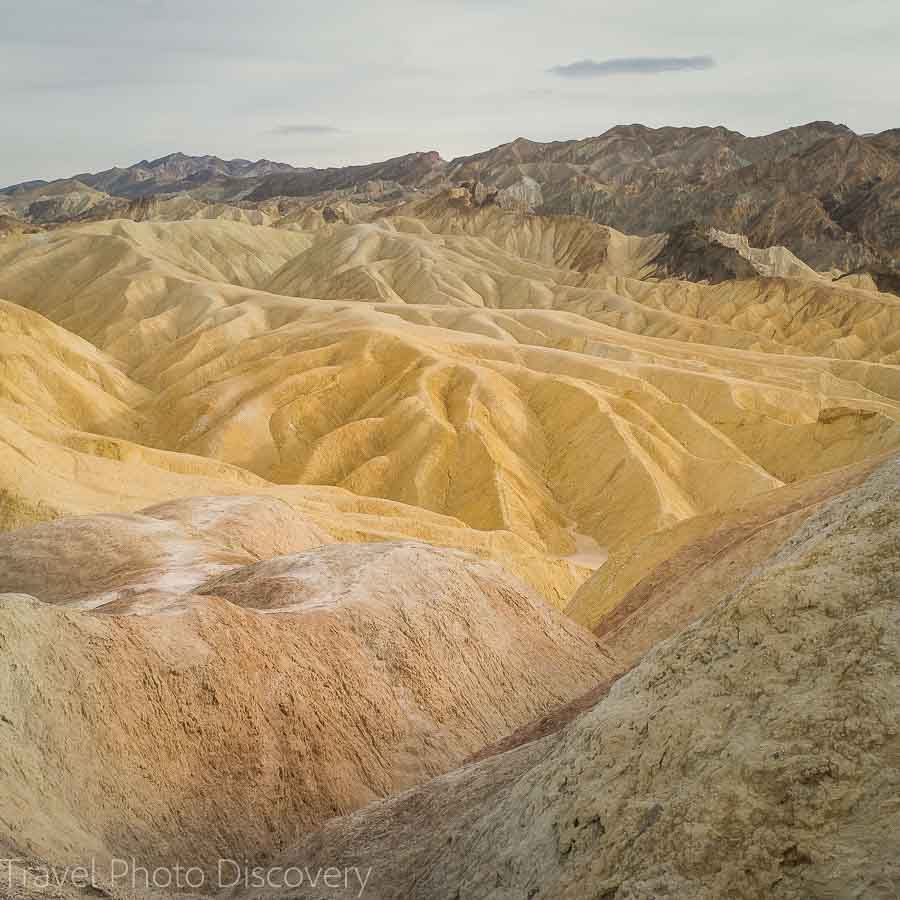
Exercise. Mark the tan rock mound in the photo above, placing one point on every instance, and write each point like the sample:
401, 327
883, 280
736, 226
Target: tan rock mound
217, 727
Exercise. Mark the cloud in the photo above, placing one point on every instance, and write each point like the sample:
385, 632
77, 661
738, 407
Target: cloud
633, 65
285, 130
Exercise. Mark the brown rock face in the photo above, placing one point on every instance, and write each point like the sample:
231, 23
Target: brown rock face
691, 255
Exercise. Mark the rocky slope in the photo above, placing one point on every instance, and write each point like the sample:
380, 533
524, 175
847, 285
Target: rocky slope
190, 690
828, 195
646, 591
749, 756
694, 253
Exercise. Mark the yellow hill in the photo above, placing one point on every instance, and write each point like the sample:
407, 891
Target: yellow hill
494, 381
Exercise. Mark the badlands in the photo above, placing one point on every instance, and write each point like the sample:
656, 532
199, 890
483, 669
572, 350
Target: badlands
408, 518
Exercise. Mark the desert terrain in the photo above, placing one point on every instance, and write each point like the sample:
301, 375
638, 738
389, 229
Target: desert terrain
522, 525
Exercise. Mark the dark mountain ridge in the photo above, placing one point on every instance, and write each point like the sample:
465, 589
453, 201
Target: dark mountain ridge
829, 195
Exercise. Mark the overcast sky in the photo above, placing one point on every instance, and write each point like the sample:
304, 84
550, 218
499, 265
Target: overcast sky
87, 84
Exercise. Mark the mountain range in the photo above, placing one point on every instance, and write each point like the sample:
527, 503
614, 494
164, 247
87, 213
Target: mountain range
830, 196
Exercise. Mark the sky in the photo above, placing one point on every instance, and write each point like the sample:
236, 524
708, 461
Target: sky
88, 84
